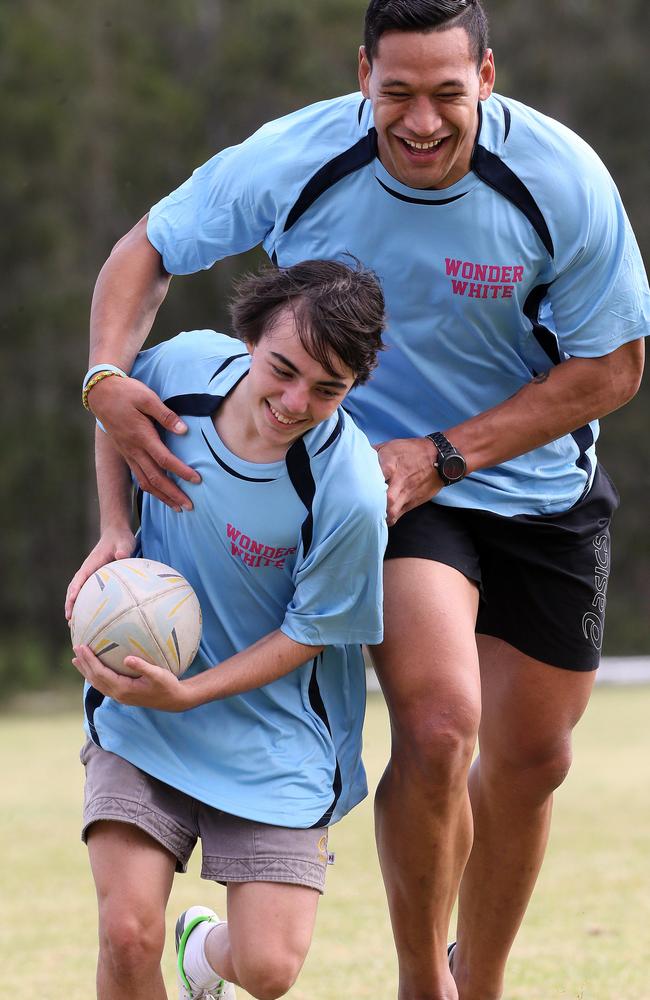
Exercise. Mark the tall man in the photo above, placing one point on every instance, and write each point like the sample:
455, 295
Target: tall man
517, 304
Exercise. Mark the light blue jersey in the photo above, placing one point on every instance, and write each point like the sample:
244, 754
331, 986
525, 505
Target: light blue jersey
295, 545
527, 260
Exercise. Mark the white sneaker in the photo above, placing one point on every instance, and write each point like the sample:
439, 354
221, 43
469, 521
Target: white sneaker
186, 988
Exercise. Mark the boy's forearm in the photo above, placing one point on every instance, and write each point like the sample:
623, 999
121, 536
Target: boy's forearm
265, 661
128, 293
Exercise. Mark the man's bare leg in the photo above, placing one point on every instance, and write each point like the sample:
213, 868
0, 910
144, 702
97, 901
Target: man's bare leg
529, 711
133, 877
428, 669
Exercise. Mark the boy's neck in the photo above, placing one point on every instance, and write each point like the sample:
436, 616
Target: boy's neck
235, 426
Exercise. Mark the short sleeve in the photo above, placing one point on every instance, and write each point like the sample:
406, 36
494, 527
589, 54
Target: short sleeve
214, 214
338, 583
600, 300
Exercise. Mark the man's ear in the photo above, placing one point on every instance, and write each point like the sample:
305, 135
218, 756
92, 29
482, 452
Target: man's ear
487, 74
365, 70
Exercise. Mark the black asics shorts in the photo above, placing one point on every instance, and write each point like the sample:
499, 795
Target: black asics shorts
543, 579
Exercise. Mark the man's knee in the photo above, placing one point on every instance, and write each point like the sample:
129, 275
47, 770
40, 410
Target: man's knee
534, 769
433, 743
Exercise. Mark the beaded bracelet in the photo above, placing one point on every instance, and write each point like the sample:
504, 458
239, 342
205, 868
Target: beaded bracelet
96, 375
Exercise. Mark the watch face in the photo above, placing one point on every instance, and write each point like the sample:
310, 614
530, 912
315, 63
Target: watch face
454, 467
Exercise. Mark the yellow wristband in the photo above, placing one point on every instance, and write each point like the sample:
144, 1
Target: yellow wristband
93, 382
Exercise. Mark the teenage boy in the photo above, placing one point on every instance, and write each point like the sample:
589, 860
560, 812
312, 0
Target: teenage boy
257, 750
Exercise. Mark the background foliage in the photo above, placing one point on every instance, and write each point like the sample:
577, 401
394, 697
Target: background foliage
106, 106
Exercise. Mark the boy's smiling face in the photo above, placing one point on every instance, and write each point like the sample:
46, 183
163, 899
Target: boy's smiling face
287, 392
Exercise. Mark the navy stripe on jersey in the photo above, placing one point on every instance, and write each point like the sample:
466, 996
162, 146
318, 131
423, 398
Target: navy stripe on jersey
420, 201
544, 337
201, 404
225, 364
302, 480
361, 107
316, 701
584, 438
547, 340
333, 436
92, 701
494, 172
507, 121
232, 472
195, 404
363, 152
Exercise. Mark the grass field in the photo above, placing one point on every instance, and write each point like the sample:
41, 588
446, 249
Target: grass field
586, 935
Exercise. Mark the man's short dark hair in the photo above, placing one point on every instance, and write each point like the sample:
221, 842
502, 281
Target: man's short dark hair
338, 311
426, 15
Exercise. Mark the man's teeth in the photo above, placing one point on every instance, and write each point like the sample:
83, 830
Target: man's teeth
278, 416
423, 145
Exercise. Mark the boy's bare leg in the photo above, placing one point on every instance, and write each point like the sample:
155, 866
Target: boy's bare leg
264, 944
133, 877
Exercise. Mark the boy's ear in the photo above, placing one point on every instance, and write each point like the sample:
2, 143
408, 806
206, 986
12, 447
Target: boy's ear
249, 347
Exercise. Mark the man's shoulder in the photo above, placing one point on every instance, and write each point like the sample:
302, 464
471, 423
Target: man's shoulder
539, 147
551, 171
301, 142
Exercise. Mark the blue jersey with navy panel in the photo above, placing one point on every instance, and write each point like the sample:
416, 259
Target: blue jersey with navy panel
527, 260
295, 545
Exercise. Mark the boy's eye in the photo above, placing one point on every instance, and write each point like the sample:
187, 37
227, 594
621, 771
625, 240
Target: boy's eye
280, 372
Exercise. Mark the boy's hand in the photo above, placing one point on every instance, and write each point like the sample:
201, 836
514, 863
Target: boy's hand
156, 687
114, 544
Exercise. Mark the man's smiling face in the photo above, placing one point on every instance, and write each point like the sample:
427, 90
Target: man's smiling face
425, 88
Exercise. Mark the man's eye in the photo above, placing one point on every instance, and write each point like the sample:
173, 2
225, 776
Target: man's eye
395, 94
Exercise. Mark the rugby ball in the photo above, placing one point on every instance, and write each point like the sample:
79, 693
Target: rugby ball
138, 607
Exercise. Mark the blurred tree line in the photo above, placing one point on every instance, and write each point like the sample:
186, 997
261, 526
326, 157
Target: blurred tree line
107, 106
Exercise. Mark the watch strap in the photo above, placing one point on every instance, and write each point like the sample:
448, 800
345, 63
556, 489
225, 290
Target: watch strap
445, 450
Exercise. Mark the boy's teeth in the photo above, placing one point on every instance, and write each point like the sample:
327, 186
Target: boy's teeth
278, 416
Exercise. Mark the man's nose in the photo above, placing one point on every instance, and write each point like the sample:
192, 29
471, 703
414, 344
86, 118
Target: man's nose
423, 118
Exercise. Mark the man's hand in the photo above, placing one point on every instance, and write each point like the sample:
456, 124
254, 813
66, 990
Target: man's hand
407, 464
127, 409
117, 543
156, 687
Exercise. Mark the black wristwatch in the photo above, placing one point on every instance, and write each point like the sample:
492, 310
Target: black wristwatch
451, 465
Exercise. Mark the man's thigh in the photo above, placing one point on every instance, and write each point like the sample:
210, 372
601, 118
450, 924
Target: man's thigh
529, 707
428, 662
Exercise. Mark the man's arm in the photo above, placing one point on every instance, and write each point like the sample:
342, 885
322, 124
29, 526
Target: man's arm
129, 291
271, 657
550, 406
116, 536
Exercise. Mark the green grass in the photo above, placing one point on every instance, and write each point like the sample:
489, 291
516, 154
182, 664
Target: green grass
586, 935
